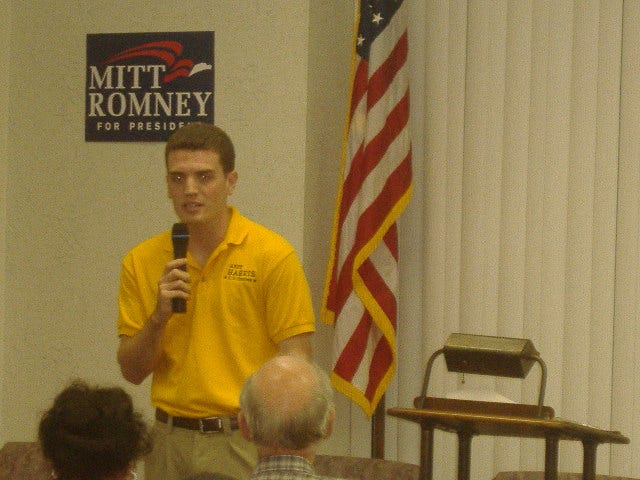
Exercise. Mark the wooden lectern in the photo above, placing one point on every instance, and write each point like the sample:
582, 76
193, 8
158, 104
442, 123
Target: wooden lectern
502, 357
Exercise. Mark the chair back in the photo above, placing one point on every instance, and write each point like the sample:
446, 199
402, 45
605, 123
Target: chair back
539, 475
23, 461
362, 468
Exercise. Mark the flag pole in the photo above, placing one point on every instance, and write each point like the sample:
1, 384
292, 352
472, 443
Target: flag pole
377, 430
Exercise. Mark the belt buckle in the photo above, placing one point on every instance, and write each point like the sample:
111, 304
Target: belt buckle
218, 425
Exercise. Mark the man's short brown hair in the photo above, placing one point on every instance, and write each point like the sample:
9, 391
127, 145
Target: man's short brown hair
203, 136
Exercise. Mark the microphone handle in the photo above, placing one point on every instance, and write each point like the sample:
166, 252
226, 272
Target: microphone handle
179, 305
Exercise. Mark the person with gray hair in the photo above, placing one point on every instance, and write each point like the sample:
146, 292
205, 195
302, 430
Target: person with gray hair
286, 409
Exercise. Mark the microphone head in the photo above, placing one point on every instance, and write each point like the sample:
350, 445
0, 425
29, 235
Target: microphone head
180, 239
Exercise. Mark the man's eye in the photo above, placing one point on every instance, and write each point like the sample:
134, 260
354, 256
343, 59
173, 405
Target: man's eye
205, 177
177, 178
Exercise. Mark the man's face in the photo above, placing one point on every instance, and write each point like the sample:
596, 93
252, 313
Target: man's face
198, 186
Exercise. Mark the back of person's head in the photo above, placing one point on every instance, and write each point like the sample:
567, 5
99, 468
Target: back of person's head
287, 403
92, 433
203, 136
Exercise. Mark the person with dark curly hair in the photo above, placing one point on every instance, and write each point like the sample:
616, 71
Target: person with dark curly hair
93, 433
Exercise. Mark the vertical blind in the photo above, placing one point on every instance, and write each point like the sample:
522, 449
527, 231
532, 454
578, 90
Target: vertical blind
525, 216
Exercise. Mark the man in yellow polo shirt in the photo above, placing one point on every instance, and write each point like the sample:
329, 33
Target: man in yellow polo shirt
247, 300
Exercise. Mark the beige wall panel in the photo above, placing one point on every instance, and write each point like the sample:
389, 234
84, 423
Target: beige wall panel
5, 30
74, 208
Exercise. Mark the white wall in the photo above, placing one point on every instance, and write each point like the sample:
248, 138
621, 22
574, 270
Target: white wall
74, 208
5, 29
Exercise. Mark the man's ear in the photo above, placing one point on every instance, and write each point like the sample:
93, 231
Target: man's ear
244, 427
330, 421
232, 180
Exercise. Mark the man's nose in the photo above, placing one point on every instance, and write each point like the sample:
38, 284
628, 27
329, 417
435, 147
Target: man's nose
190, 184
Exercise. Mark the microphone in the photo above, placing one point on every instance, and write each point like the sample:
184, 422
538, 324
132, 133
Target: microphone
180, 239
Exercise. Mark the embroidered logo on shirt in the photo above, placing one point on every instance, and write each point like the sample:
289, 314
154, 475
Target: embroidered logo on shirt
239, 273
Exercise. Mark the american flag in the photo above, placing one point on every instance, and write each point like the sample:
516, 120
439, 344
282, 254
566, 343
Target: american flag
360, 297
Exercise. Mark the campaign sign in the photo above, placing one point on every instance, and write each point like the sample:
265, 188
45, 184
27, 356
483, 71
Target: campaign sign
143, 86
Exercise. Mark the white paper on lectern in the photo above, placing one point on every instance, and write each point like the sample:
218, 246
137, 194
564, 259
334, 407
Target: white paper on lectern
478, 395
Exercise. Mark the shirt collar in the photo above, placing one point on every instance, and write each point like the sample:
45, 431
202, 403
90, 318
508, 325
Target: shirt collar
237, 229
283, 463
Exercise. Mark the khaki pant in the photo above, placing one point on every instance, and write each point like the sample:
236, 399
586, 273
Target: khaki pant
178, 453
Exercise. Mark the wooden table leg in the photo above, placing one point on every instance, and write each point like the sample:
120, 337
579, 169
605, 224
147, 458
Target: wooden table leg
551, 458
426, 453
464, 455
589, 461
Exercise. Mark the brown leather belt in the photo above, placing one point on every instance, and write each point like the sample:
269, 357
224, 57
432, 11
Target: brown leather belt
204, 425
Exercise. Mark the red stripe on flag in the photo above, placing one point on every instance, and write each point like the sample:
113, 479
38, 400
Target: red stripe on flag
360, 85
384, 75
391, 240
376, 284
382, 357
352, 354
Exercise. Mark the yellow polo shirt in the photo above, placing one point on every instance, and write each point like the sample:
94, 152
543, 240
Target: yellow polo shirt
251, 295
